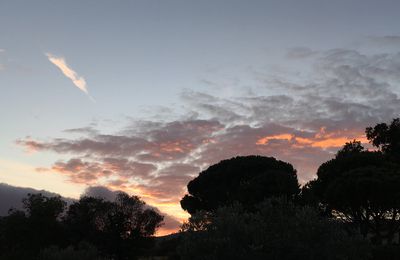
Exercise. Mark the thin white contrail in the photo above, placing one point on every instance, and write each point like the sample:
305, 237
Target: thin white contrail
78, 81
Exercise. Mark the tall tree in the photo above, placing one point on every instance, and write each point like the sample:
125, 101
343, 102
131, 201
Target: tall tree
119, 228
363, 187
248, 180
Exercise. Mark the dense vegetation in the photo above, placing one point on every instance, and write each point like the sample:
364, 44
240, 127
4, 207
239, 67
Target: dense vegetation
91, 228
276, 229
243, 208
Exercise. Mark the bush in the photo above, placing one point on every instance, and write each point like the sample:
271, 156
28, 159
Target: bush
277, 230
83, 252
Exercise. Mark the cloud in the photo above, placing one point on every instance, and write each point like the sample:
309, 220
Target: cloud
82, 130
320, 139
151, 142
81, 170
11, 197
303, 122
100, 192
60, 63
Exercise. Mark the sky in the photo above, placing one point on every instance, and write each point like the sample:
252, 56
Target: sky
141, 96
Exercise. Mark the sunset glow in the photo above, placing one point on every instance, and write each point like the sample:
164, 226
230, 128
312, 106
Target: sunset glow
180, 86
320, 140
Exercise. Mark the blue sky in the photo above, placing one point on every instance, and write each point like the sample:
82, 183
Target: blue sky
159, 66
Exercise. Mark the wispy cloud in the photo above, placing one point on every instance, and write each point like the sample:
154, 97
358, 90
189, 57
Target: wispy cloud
60, 63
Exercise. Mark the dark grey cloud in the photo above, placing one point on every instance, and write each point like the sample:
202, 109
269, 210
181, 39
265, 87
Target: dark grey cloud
11, 197
100, 192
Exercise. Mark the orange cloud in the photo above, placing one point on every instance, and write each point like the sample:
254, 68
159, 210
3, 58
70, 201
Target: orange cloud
267, 139
321, 139
303, 141
336, 142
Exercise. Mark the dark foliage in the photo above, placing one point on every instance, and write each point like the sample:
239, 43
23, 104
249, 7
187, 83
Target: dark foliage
83, 251
24, 233
247, 180
278, 229
386, 252
386, 137
352, 148
362, 187
120, 229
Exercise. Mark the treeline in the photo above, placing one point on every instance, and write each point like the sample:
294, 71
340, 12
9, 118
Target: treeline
253, 207
248, 207
91, 228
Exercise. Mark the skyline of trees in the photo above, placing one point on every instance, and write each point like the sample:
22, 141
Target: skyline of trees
246, 206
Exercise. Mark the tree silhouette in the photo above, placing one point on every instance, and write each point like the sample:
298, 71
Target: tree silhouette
370, 198
247, 180
91, 227
118, 228
24, 233
350, 148
361, 187
386, 137
86, 220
